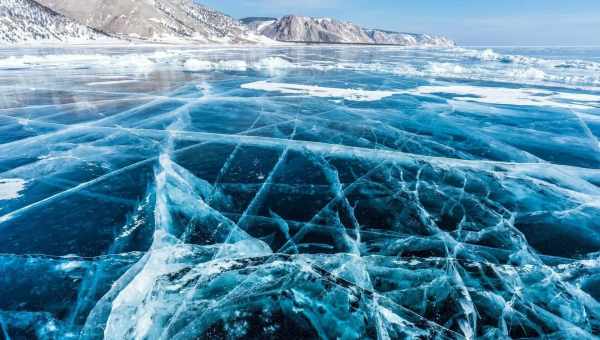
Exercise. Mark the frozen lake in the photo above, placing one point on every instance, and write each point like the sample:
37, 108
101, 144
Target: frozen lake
299, 192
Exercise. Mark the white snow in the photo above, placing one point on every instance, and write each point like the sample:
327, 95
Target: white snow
136, 62
273, 64
10, 188
195, 65
466, 93
26, 20
489, 55
112, 82
232, 65
511, 96
317, 91
263, 25
531, 73
445, 69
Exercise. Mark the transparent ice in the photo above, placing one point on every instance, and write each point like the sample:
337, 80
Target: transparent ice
309, 192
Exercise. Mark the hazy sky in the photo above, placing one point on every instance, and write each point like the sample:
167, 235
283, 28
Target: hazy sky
469, 22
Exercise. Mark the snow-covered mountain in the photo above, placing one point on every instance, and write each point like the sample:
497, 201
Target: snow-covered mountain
170, 20
26, 20
257, 24
326, 30
408, 39
177, 21
299, 28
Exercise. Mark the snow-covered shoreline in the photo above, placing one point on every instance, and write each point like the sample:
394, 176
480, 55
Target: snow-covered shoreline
195, 44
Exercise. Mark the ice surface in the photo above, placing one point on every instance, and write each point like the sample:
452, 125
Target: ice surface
310, 192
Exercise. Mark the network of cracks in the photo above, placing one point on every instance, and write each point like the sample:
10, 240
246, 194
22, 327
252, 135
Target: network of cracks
209, 211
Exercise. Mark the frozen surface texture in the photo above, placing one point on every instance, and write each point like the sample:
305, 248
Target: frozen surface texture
311, 192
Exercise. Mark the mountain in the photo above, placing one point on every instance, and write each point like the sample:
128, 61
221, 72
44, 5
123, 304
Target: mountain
177, 21
26, 20
306, 29
170, 20
408, 39
293, 28
257, 24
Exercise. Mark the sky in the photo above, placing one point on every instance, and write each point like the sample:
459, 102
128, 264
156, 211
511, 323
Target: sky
468, 22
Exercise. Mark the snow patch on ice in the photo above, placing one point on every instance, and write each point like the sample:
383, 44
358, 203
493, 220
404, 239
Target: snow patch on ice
11, 188
445, 69
580, 97
232, 65
135, 62
512, 96
489, 55
195, 65
530, 73
465, 93
112, 82
270, 65
318, 91
406, 70
273, 64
